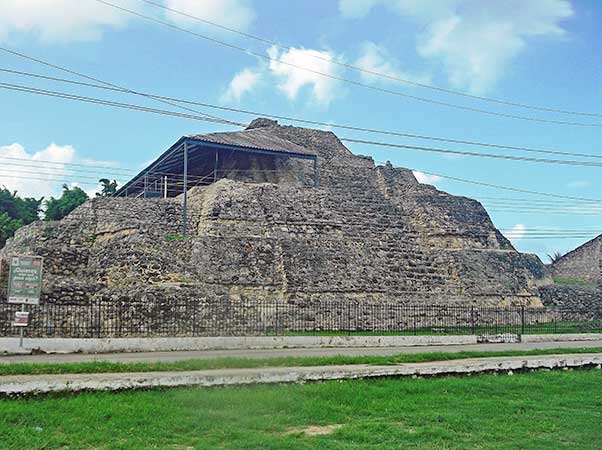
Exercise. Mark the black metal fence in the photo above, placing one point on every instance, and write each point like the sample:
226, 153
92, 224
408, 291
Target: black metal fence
242, 318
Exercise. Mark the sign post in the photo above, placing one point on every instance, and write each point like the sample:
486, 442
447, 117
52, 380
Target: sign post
24, 287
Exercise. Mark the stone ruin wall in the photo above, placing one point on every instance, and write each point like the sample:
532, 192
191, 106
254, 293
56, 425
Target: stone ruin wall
583, 264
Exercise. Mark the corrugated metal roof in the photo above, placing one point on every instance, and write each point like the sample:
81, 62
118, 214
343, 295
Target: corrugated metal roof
258, 138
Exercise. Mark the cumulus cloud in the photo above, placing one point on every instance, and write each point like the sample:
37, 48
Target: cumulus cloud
236, 14
59, 20
376, 58
426, 178
473, 44
517, 232
243, 82
291, 80
32, 178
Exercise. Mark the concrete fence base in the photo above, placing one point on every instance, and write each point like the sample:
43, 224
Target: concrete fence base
92, 345
110, 345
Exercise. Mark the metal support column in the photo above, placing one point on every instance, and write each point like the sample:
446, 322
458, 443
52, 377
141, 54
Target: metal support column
315, 173
145, 185
215, 167
185, 208
165, 186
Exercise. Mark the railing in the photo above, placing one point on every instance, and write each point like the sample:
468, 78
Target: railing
240, 318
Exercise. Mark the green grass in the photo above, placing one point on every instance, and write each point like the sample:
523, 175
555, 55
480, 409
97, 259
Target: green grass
572, 281
594, 326
223, 363
537, 410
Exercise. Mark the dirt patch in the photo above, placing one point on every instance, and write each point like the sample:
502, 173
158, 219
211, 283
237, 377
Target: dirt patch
314, 430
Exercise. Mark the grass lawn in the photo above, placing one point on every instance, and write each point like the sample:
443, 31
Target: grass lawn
537, 410
585, 326
222, 363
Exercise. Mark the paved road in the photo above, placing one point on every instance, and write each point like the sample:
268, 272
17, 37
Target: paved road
32, 384
278, 353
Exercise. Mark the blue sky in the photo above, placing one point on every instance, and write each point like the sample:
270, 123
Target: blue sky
540, 52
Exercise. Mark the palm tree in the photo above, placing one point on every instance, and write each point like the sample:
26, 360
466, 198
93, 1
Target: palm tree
108, 187
554, 257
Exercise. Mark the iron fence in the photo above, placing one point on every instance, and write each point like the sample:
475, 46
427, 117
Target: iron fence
241, 318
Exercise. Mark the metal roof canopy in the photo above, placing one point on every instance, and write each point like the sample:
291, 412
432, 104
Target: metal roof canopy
188, 145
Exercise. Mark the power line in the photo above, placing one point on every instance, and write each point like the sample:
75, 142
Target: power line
507, 188
526, 200
21, 88
311, 122
140, 184
28, 89
171, 113
373, 72
106, 83
346, 80
41, 161
105, 174
483, 155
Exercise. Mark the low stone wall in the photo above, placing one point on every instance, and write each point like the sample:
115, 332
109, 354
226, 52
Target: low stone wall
572, 296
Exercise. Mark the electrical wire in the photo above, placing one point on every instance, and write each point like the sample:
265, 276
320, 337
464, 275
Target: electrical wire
346, 80
373, 72
45, 92
21, 88
502, 187
475, 154
106, 83
310, 122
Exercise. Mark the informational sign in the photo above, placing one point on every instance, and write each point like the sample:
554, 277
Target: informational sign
25, 280
21, 319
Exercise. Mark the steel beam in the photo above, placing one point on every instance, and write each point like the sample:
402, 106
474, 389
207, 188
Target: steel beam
185, 208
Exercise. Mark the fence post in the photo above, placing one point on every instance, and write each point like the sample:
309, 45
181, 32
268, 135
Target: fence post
472, 321
99, 316
522, 319
194, 318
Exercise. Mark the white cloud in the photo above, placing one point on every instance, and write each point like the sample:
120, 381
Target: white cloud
474, 44
292, 79
236, 14
59, 20
578, 184
356, 9
375, 58
243, 82
426, 178
33, 178
516, 233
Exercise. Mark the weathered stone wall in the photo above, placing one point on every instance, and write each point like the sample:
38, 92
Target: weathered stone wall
579, 297
584, 263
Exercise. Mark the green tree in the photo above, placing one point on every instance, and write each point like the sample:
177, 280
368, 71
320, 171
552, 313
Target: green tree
8, 226
108, 187
71, 198
16, 212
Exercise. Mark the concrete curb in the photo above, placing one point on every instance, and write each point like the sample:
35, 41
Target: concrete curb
110, 345
561, 337
39, 384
